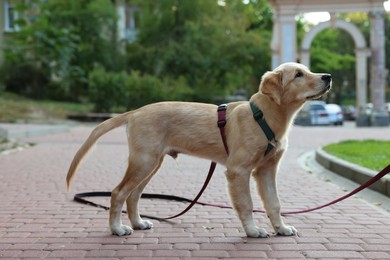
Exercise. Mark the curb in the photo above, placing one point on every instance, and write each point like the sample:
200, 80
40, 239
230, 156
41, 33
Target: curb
91, 117
352, 171
30, 132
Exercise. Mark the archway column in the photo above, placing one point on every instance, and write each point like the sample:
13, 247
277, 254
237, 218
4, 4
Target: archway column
361, 86
377, 73
288, 48
275, 43
283, 43
305, 57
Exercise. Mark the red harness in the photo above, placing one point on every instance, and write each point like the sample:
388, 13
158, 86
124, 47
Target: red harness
221, 124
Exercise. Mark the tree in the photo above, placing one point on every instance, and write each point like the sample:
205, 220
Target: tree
200, 50
218, 46
333, 51
57, 45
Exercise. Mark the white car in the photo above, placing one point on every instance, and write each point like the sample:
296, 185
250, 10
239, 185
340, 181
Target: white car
335, 114
313, 113
318, 112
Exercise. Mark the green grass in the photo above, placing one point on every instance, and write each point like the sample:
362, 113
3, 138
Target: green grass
372, 154
17, 108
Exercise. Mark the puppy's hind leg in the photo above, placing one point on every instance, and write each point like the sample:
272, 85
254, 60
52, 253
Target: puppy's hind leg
138, 170
132, 203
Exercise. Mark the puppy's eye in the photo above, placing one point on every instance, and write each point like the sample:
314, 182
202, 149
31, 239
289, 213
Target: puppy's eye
299, 74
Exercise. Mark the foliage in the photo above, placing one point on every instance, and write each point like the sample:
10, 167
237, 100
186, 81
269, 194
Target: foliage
145, 89
190, 50
107, 89
339, 46
372, 154
57, 45
118, 91
217, 49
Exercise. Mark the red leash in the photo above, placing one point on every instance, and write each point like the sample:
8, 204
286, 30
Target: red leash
365, 185
368, 183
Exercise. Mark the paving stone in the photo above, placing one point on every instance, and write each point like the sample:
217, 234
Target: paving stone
334, 254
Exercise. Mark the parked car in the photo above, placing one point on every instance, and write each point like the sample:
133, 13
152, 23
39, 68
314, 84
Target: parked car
335, 113
313, 113
349, 112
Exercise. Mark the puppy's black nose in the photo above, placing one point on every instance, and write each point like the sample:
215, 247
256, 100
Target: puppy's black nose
326, 77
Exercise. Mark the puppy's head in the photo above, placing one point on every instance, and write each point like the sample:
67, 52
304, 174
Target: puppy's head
294, 83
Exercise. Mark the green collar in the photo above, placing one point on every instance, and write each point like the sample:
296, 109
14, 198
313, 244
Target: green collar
259, 117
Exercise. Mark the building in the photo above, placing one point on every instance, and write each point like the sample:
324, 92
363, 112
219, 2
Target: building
8, 15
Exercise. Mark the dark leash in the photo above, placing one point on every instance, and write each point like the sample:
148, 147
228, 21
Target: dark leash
258, 116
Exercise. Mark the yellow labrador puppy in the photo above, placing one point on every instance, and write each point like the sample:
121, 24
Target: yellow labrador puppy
181, 127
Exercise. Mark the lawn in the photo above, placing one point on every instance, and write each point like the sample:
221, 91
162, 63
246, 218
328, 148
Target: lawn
15, 108
372, 154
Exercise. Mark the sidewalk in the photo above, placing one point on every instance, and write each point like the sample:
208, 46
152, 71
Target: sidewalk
38, 218
28, 130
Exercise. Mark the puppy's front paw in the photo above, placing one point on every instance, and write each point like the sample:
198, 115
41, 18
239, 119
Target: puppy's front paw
143, 224
257, 232
121, 230
286, 231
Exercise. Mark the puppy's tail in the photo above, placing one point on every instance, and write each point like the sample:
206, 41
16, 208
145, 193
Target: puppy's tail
96, 133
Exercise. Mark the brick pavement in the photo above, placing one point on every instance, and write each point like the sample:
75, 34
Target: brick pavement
38, 218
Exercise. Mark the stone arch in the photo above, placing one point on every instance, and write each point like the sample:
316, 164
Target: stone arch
357, 36
361, 52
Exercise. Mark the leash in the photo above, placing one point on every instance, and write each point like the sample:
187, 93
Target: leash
80, 198
259, 117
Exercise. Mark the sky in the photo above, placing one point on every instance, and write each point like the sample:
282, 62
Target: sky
319, 17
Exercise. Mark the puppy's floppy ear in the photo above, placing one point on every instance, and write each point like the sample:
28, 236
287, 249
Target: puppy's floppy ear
271, 85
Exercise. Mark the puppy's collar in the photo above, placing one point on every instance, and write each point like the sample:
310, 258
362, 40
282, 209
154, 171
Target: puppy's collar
259, 117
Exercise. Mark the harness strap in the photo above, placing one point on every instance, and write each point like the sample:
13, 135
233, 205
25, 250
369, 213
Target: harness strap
259, 117
221, 124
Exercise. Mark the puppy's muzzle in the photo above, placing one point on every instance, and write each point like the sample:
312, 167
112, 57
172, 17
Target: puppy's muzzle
327, 85
327, 78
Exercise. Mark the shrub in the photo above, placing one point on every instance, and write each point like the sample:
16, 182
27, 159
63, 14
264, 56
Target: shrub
24, 78
146, 89
117, 91
107, 89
